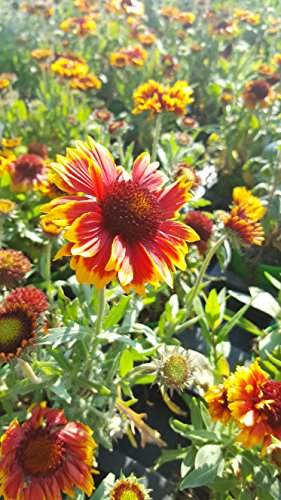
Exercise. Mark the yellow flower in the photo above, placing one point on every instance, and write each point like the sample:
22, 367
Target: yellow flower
186, 18
86, 83
247, 16
216, 397
277, 59
41, 54
70, 67
119, 59
80, 26
258, 93
4, 83
11, 142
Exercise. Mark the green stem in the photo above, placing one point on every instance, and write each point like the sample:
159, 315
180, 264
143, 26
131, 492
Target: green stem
156, 137
121, 150
1, 231
101, 308
203, 269
48, 253
145, 369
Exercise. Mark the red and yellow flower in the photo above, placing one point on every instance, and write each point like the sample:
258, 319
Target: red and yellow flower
41, 54
70, 66
35, 299
13, 267
87, 82
45, 456
247, 16
216, 397
255, 405
28, 172
119, 60
147, 38
4, 83
258, 93
225, 29
80, 26
185, 18
128, 488
6, 207
11, 142
157, 98
277, 60
203, 226
124, 227
243, 220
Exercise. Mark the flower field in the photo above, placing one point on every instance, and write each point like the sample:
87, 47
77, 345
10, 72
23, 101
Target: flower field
140, 250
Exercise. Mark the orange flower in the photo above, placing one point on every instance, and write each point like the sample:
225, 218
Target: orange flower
257, 93
242, 222
46, 456
277, 59
129, 231
86, 83
255, 405
146, 38
137, 55
70, 67
225, 29
128, 488
157, 98
80, 26
169, 11
186, 18
40, 54
216, 397
4, 83
247, 16
6, 207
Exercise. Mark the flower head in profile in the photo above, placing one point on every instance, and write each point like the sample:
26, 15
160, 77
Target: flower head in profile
83, 26
203, 226
50, 228
46, 456
157, 98
257, 93
247, 16
18, 329
216, 397
124, 226
225, 29
13, 267
243, 221
28, 172
87, 82
70, 66
11, 143
129, 488
185, 18
35, 299
41, 54
103, 115
255, 405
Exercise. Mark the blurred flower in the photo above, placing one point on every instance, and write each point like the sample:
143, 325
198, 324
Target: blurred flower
170, 66
39, 149
7, 154
51, 189
47, 455
49, 228
136, 56
6, 207
4, 83
226, 97
11, 142
188, 122
41, 54
79, 26
117, 127
119, 59
103, 115
225, 29
13, 267
147, 38
87, 82
185, 18
216, 397
255, 405
130, 231
203, 226
86, 6
242, 222
18, 330
257, 93
274, 454
196, 47
189, 173
70, 67
183, 138
169, 11
35, 299
128, 488
28, 172
277, 59
246, 16
157, 98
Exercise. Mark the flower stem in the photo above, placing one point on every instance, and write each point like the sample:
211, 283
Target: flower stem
121, 150
203, 269
156, 137
48, 253
28, 372
101, 308
1, 231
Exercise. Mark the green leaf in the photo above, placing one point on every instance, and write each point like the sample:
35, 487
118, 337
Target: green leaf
59, 390
212, 310
116, 312
206, 463
224, 331
126, 362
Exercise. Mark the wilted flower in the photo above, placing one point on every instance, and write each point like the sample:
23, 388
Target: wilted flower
274, 454
28, 172
47, 455
41, 54
257, 93
13, 267
183, 138
35, 299
87, 82
129, 231
128, 489
117, 127
18, 330
203, 226
188, 122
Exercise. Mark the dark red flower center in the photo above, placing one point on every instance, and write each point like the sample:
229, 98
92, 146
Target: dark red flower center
260, 89
15, 327
29, 166
272, 390
131, 211
41, 453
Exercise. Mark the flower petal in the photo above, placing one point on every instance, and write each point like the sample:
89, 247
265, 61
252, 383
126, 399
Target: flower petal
145, 173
